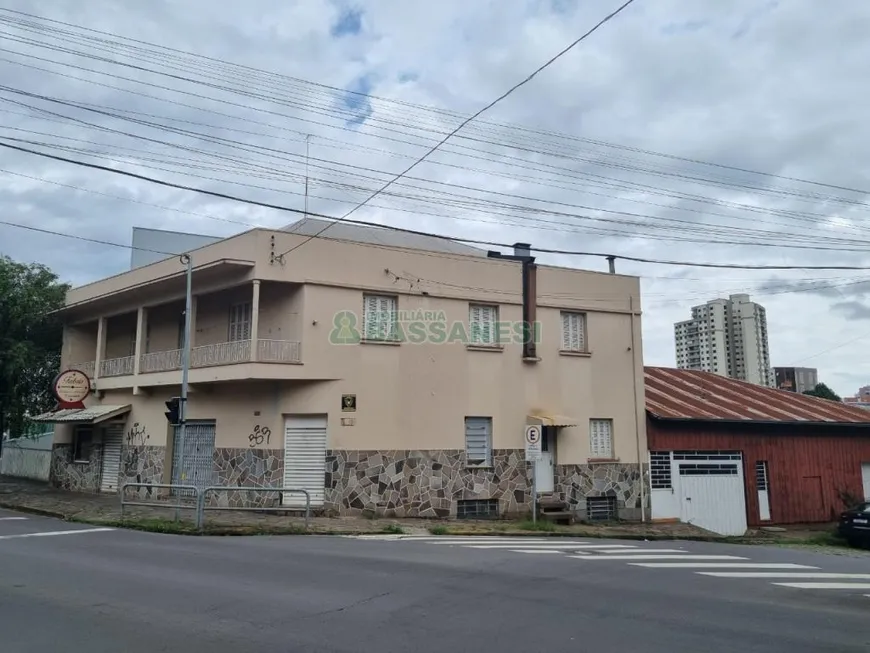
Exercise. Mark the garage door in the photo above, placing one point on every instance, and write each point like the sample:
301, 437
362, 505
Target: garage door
711, 491
304, 459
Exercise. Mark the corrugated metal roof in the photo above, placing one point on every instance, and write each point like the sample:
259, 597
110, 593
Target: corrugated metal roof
691, 394
91, 415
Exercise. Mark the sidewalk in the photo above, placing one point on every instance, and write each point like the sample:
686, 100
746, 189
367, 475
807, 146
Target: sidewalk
40, 498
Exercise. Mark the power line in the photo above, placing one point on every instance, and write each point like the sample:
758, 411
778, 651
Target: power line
83, 238
416, 232
468, 120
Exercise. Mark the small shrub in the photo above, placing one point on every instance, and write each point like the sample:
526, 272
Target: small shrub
438, 530
394, 529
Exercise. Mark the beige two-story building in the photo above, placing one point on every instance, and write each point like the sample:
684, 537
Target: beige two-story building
380, 371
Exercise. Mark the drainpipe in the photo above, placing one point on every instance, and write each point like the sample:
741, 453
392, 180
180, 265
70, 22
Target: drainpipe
636, 418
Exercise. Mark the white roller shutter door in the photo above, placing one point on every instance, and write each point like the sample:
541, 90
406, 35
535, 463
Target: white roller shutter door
113, 438
304, 459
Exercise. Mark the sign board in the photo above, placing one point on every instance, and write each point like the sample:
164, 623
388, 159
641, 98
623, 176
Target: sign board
71, 388
348, 403
533, 443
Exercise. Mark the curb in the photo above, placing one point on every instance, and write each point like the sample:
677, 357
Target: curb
33, 511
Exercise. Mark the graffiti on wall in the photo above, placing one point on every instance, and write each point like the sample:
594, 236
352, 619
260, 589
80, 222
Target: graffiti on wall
260, 435
136, 436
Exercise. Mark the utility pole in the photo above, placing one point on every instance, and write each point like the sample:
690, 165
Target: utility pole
185, 364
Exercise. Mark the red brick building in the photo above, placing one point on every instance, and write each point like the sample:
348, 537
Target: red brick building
727, 455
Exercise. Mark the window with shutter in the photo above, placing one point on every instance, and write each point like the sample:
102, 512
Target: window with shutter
478, 441
482, 322
380, 315
573, 331
240, 322
601, 438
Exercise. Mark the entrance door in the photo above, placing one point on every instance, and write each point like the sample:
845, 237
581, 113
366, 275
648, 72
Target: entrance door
197, 467
113, 438
761, 482
545, 467
712, 496
865, 475
304, 459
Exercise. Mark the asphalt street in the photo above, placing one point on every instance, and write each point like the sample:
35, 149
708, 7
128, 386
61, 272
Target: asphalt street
73, 588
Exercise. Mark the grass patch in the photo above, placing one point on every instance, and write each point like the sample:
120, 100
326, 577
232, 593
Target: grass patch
439, 530
529, 525
393, 529
170, 527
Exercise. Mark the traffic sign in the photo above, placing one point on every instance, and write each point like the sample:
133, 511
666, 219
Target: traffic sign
533, 443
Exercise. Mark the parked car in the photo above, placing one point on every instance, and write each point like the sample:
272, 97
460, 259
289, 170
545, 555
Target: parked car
855, 525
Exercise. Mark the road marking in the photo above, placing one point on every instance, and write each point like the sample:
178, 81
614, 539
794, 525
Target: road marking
780, 574
533, 551
497, 542
48, 533
12, 518
545, 546
654, 556
611, 551
720, 565
827, 586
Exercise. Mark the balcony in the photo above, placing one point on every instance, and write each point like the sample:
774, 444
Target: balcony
117, 366
223, 353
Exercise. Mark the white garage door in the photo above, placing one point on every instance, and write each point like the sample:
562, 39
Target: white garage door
304, 459
711, 491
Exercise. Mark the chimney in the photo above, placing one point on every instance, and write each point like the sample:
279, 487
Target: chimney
611, 264
522, 249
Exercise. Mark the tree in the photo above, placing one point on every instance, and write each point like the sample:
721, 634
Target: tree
822, 391
30, 340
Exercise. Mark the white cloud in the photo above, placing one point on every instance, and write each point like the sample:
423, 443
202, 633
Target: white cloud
771, 87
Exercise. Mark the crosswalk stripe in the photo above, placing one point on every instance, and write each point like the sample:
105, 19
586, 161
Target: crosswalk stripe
544, 546
827, 586
655, 556
12, 518
508, 543
533, 551
780, 574
721, 565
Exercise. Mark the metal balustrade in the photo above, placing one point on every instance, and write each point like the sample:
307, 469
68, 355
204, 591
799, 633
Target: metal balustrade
117, 366
222, 353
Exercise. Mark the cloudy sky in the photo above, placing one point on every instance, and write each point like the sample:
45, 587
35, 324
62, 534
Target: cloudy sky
700, 131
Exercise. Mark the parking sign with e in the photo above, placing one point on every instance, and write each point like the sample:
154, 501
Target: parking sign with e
533, 443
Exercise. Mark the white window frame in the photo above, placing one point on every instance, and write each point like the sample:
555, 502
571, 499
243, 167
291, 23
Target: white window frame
380, 318
483, 325
478, 441
239, 322
77, 435
574, 336
601, 439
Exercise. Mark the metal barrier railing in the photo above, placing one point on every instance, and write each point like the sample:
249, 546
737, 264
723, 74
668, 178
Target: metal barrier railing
178, 505
201, 508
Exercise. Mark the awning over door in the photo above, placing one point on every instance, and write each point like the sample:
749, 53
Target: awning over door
92, 415
548, 419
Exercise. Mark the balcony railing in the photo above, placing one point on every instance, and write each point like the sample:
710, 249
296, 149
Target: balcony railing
87, 368
222, 353
117, 366
279, 351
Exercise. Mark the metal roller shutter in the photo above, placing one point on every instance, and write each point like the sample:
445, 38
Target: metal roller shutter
304, 459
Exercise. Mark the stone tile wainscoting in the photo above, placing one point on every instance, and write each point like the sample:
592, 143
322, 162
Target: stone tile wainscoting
250, 468
75, 476
142, 464
621, 481
422, 483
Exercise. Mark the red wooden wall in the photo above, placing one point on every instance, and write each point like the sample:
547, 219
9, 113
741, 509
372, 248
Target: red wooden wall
808, 466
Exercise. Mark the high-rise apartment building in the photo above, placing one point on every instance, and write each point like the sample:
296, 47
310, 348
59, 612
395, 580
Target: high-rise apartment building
727, 337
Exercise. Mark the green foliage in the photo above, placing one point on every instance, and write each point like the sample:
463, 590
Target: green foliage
439, 530
822, 391
30, 341
393, 529
530, 525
